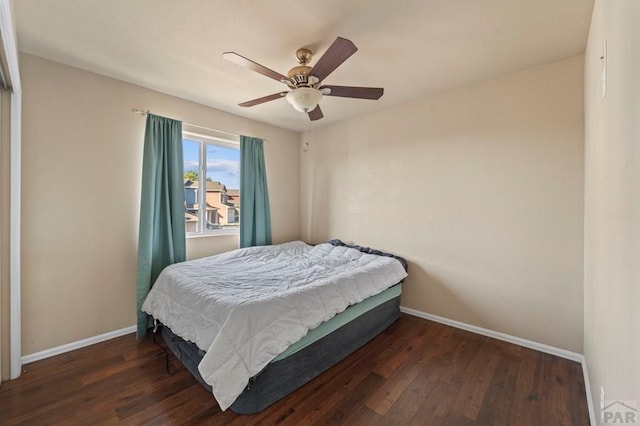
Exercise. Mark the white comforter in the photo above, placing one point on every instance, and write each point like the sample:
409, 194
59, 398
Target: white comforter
246, 306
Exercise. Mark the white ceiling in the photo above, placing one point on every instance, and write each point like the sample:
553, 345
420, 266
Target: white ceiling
412, 48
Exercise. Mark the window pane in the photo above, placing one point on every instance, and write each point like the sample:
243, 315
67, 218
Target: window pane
223, 189
191, 154
212, 193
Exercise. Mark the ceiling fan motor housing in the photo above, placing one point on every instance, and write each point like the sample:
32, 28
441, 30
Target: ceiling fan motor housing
300, 75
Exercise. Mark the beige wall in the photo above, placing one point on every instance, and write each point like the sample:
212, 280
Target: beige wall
81, 170
486, 188
612, 203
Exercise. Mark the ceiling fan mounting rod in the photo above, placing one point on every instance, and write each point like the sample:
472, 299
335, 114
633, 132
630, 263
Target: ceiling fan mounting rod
303, 56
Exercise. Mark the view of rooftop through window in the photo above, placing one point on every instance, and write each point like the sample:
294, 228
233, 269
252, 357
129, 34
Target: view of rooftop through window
212, 180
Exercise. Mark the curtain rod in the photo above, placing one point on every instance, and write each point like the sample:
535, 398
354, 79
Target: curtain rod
144, 113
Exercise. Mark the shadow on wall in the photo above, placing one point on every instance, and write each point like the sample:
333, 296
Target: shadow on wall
426, 293
316, 199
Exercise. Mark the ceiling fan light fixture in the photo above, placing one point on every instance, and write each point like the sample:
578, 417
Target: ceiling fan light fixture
304, 99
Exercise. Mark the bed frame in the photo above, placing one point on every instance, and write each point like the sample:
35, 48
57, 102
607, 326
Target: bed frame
282, 377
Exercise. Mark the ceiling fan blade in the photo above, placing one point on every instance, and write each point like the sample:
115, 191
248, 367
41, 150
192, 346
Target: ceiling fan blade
353, 92
316, 114
336, 54
263, 99
253, 66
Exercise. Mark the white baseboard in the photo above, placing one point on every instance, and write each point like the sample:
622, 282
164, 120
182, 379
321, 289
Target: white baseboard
37, 356
587, 385
563, 353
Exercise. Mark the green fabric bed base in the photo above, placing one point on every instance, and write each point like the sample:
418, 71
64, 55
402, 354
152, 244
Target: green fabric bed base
341, 319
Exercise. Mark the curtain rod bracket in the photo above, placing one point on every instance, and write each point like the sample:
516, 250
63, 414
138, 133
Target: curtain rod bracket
139, 111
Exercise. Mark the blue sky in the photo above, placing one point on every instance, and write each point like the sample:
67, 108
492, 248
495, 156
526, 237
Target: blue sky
223, 164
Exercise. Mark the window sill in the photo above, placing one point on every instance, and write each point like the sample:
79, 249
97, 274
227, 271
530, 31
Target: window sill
196, 236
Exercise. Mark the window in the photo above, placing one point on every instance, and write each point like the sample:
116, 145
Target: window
211, 184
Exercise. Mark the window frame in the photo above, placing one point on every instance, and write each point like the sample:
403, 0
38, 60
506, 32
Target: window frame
204, 139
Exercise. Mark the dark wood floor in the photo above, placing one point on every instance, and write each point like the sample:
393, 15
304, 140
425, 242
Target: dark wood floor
417, 372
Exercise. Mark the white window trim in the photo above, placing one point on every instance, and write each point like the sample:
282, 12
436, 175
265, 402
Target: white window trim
212, 137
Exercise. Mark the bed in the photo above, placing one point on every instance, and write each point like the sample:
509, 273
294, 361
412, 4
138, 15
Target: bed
254, 324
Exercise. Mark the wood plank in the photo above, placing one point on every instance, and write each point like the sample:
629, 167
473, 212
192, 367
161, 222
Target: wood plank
384, 397
499, 396
526, 396
437, 405
417, 351
398, 353
343, 413
414, 397
363, 416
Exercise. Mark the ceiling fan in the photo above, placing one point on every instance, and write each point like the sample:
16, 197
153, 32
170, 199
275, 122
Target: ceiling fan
304, 81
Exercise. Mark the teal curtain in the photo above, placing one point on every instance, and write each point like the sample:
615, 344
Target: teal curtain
161, 238
255, 218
